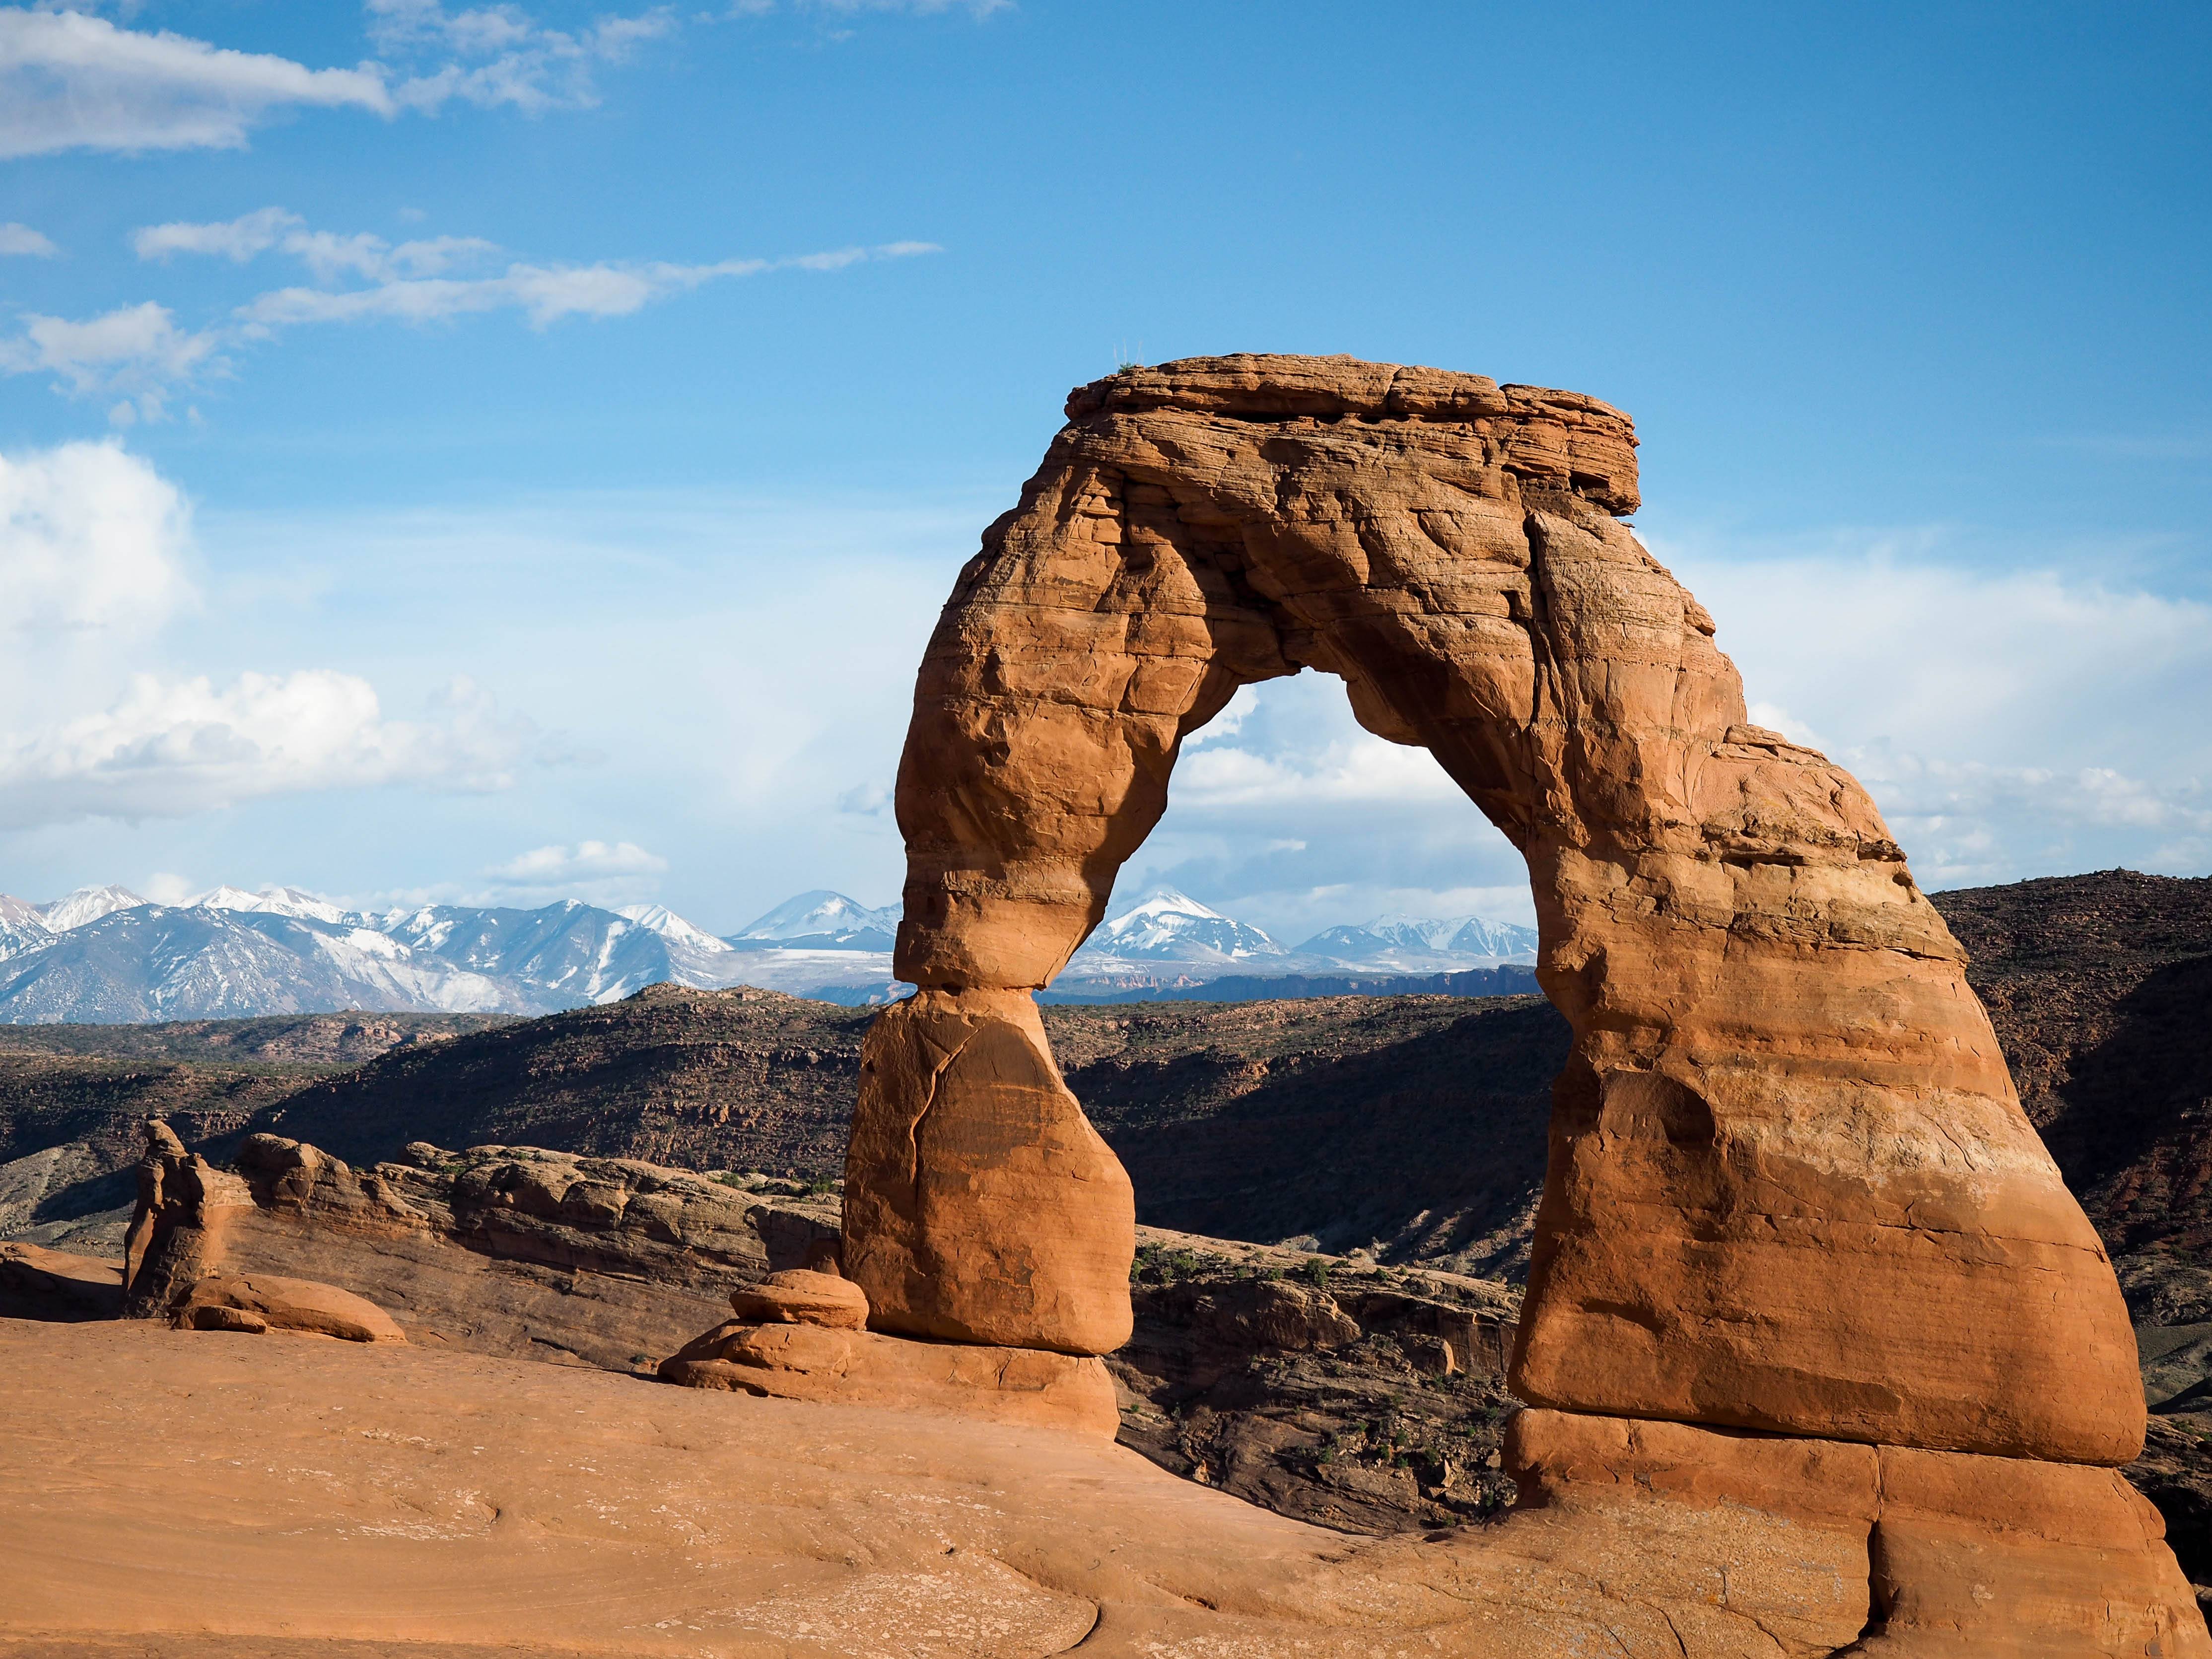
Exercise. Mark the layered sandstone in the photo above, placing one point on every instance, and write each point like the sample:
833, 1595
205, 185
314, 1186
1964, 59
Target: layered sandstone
198, 1496
1791, 1185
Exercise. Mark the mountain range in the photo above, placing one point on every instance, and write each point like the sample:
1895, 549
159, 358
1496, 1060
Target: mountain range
106, 954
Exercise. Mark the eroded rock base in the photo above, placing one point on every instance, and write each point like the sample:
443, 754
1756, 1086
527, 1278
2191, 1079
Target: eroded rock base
1826, 1546
865, 1368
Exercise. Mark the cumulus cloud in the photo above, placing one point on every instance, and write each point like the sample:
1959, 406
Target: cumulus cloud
2010, 722
168, 748
16, 239
138, 349
71, 82
91, 538
95, 552
586, 861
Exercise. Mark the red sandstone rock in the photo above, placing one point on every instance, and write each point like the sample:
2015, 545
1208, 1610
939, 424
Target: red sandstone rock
980, 1204
803, 1297
1790, 1186
1980, 1555
269, 1301
837, 1366
178, 1232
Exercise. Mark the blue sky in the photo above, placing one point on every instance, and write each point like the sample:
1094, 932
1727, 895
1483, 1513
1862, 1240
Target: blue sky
511, 452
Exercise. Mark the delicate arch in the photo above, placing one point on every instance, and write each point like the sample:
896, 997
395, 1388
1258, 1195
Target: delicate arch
1791, 1185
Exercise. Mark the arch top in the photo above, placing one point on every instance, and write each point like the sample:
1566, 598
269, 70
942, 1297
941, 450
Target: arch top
1563, 439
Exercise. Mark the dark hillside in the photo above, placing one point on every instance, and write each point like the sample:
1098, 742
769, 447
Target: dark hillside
2100, 987
96, 1082
1416, 1122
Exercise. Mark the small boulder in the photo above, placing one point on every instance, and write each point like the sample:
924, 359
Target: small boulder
803, 1297
235, 1302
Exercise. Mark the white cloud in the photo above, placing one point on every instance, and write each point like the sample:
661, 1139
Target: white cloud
544, 294
2010, 722
586, 861
170, 748
71, 82
501, 54
976, 8
91, 538
138, 350
236, 240
16, 239
330, 255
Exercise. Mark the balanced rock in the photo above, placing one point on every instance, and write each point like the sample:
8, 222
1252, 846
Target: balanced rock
1791, 1185
802, 1296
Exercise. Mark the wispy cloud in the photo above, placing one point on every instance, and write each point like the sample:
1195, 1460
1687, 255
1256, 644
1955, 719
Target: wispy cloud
329, 254
586, 861
493, 55
71, 82
140, 352
22, 239
544, 294
236, 240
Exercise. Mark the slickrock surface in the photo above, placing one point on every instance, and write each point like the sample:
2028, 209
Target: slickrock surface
1790, 1186
207, 1495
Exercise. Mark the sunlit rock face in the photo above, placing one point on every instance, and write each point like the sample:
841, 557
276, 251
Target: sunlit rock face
1790, 1188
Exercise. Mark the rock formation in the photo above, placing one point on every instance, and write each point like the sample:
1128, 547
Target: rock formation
177, 1233
1790, 1187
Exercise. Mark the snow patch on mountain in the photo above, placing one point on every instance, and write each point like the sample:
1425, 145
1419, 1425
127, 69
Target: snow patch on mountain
824, 921
1166, 925
661, 920
87, 904
275, 901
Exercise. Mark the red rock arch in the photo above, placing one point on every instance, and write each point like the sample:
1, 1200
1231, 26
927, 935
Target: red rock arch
1791, 1185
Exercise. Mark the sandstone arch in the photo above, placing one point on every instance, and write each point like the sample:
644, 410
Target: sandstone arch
1791, 1189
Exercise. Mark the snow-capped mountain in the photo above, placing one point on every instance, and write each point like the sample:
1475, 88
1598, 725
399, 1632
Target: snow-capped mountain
1168, 925
669, 926
104, 953
159, 961
22, 928
569, 953
822, 921
275, 901
1422, 944
87, 904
